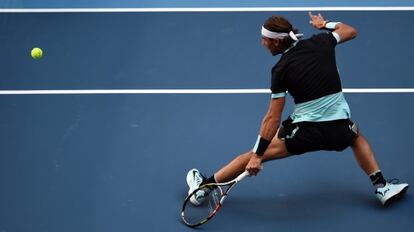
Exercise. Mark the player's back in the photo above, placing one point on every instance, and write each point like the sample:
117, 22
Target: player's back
308, 70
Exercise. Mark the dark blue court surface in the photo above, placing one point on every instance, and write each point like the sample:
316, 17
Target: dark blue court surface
192, 3
186, 50
98, 163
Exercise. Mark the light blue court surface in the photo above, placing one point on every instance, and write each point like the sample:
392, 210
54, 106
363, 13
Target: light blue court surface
117, 162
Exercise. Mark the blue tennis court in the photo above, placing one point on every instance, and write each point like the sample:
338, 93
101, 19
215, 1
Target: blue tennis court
73, 161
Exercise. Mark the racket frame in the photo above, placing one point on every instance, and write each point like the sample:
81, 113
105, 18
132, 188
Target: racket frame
223, 197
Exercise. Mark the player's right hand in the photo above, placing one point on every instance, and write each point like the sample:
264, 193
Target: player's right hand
255, 164
317, 21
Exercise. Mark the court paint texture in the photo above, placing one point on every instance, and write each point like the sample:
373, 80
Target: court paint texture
118, 162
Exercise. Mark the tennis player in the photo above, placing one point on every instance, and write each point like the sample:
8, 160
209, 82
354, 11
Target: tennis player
321, 118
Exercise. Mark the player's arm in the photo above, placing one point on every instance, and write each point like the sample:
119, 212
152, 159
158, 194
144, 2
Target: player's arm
270, 124
271, 120
341, 31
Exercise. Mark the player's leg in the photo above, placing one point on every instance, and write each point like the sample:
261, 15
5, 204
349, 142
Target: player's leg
364, 154
276, 150
299, 141
386, 192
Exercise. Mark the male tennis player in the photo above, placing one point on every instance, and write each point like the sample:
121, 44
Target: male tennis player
321, 118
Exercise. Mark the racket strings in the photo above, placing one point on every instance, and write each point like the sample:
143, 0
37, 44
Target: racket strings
195, 214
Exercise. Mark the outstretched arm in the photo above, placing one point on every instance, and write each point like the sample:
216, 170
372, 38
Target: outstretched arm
271, 120
344, 31
270, 125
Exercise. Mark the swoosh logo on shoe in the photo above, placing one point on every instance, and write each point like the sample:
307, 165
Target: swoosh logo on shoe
194, 179
194, 174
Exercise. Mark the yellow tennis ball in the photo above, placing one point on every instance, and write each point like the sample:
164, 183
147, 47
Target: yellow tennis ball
37, 53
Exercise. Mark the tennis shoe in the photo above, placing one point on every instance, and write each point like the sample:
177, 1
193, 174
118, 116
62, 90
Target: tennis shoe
391, 191
194, 180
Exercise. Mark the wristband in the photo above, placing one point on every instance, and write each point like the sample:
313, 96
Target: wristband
330, 25
261, 146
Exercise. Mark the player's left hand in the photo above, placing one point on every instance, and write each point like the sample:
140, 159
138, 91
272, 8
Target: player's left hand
255, 164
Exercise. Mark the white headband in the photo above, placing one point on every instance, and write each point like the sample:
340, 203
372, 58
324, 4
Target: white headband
277, 35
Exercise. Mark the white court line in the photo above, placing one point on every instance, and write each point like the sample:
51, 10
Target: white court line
183, 91
208, 9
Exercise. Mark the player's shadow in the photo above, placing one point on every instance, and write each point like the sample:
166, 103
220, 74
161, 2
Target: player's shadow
317, 204
307, 206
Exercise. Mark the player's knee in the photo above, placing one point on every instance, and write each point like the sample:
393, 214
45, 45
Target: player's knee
276, 150
245, 157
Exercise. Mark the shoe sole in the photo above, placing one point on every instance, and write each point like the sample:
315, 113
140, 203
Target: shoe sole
396, 197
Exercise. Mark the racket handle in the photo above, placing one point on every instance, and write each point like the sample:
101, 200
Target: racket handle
242, 176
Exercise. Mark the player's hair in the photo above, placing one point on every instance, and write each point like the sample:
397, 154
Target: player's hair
278, 23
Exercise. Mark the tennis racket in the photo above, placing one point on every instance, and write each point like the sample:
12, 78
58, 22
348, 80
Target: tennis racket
213, 197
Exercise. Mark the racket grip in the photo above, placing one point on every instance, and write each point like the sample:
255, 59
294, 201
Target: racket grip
242, 176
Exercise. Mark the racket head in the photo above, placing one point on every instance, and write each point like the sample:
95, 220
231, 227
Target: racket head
196, 215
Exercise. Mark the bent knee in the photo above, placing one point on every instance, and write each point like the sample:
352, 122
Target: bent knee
276, 150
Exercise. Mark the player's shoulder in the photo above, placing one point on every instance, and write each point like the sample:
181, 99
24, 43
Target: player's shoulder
319, 39
326, 36
320, 36
279, 68
279, 64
